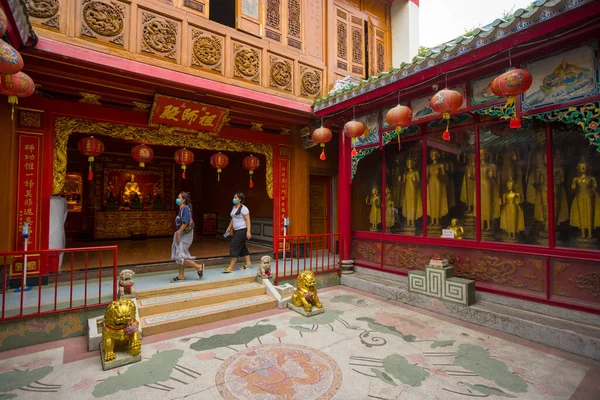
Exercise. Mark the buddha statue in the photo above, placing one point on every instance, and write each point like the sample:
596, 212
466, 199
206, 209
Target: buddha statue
490, 197
537, 189
561, 207
467, 191
585, 209
512, 219
510, 170
448, 164
412, 203
130, 190
456, 228
437, 199
374, 200
390, 211
396, 180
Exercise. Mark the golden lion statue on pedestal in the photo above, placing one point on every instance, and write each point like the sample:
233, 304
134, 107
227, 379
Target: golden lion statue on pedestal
306, 292
120, 327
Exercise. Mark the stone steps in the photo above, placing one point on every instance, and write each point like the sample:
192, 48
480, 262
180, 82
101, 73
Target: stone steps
581, 336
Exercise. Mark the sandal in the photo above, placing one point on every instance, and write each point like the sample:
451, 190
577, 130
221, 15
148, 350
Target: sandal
201, 272
176, 279
227, 270
242, 267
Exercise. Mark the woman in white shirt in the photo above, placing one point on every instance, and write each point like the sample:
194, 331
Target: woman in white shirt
240, 228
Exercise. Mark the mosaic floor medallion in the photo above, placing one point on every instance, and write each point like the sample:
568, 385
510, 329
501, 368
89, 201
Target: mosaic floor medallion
279, 371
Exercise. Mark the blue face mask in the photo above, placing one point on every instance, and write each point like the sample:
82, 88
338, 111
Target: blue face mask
178, 202
235, 201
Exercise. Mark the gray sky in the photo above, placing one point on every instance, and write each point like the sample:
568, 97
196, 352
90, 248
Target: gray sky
444, 20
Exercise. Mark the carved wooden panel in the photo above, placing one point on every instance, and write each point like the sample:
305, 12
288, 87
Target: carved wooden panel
294, 18
200, 6
311, 82
206, 50
371, 47
105, 21
44, 13
246, 62
350, 43
342, 40
273, 19
159, 36
380, 55
281, 74
357, 48
357, 43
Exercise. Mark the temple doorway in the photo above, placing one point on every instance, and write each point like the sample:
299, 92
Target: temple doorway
133, 206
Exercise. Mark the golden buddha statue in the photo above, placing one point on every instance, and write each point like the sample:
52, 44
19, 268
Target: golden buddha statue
131, 189
390, 211
490, 197
561, 207
456, 228
448, 164
374, 200
537, 189
510, 170
467, 191
396, 180
412, 203
585, 210
437, 198
512, 219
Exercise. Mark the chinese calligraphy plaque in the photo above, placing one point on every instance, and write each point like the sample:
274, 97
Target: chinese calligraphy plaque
187, 115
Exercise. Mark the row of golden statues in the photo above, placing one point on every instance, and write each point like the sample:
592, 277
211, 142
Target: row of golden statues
502, 193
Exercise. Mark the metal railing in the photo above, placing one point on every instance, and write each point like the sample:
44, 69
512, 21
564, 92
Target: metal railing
77, 279
320, 253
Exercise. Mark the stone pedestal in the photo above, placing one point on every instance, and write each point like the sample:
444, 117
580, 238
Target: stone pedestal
469, 225
260, 279
347, 266
301, 310
439, 282
434, 231
285, 290
488, 235
123, 358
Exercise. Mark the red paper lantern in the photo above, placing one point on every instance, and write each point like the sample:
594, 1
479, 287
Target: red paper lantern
251, 163
11, 61
399, 117
142, 154
219, 161
322, 135
511, 84
15, 86
91, 147
184, 157
3, 22
446, 101
354, 129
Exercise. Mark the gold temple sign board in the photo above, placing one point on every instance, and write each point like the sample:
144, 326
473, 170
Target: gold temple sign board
187, 115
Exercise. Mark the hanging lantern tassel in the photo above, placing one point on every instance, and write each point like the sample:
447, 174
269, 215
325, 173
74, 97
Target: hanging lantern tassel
251, 183
219, 174
13, 100
91, 172
515, 122
183, 167
354, 152
323, 157
446, 135
398, 131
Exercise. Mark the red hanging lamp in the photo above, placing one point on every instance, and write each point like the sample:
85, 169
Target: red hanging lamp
510, 84
398, 118
445, 102
354, 129
142, 154
91, 147
11, 61
251, 163
219, 161
3, 22
184, 157
322, 135
15, 86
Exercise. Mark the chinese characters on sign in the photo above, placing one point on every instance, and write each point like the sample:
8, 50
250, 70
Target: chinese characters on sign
28, 188
187, 115
284, 169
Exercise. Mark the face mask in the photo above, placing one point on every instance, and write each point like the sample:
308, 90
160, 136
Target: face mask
235, 201
178, 202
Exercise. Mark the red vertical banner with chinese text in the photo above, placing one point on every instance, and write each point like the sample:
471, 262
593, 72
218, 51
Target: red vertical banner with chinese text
28, 189
283, 193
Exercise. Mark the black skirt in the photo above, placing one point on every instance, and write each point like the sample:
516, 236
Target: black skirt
238, 244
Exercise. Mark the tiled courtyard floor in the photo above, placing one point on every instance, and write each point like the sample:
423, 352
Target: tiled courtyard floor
363, 347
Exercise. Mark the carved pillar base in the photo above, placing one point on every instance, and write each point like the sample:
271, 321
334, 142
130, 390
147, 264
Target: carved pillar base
469, 225
434, 230
347, 267
488, 235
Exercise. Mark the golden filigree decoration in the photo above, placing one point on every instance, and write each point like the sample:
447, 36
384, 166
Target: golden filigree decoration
530, 274
490, 268
32, 119
366, 251
158, 34
560, 267
281, 73
104, 19
162, 135
404, 257
537, 264
90, 98
588, 282
310, 82
560, 290
538, 287
247, 62
143, 107
208, 50
42, 8
256, 126
517, 284
285, 132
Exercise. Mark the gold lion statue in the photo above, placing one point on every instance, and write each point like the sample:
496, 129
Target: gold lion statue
120, 327
306, 292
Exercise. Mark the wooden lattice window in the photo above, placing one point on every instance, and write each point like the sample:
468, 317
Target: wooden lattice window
294, 18
274, 14
342, 46
357, 43
380, 56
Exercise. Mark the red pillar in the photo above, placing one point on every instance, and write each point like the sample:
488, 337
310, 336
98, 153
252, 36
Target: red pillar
344, 194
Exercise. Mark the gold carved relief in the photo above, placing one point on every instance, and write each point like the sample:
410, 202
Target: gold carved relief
310, 82
247, 63
560, 290
281, 73
560, 267
538, 287
90, 98
588, 282
30, 119
44, 12
256, 126
104, 21
207, 50
165, 136
143, 107
404, 257
159, 36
